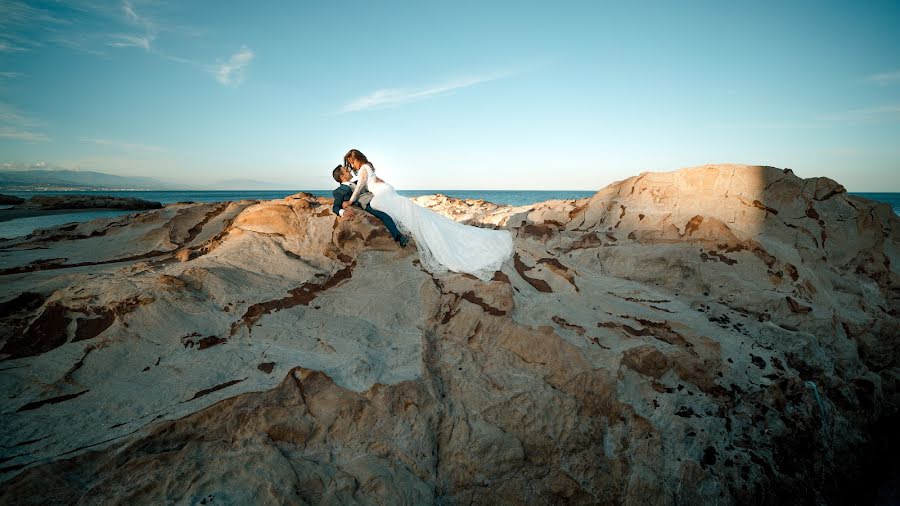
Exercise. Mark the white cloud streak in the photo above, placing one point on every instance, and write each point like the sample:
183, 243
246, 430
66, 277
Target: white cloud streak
21, 26
22, 135
885, 78
135, 40
126, 40
392, 97
880, 113
25, 27
7, 48
16, 126
127, 146
130, 13
233, 71
24, 165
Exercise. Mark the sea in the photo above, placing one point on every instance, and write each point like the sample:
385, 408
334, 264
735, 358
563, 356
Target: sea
24, 226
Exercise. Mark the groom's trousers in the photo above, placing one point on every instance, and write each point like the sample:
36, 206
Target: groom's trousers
388, 222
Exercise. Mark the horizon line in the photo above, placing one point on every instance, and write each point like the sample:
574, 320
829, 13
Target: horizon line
323, 190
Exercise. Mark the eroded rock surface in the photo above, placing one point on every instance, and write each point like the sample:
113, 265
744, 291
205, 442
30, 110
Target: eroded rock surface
719, 334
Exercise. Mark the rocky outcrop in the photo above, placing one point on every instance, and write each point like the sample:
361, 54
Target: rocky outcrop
43, 205
81, 201
719, 334
8, 200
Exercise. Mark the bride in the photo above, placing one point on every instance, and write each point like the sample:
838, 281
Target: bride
443, 243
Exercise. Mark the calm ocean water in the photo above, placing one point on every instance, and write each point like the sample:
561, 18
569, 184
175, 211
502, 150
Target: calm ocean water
23, 226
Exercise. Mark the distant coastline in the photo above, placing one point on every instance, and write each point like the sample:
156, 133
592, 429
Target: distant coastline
12, 190
23, 225
509, 197
43, 189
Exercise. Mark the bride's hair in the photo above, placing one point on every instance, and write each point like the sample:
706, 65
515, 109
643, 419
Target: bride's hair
355, 154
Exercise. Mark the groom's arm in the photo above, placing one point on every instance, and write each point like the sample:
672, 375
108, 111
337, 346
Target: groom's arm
340, 195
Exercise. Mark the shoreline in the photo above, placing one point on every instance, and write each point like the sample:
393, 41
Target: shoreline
15, 214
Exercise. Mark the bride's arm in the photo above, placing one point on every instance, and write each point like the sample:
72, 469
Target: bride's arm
360, 184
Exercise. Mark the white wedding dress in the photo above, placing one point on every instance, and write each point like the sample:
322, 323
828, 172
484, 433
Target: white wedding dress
444, 245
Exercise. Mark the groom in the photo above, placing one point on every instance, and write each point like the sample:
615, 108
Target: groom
343, 193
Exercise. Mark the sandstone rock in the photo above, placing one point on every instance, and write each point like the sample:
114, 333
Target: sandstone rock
183, 255
719, 334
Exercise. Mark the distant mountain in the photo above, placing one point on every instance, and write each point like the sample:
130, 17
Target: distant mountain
31, 178
77, 179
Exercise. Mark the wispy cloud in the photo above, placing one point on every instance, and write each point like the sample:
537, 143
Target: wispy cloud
94, 28
233, 71
763, 126
4, 76
6, 47
148, 26
391, 97
22, 135
130, 13
885, 78
128, 146
15, 125
152, 28
22, 26
888, 112
127, 40
24, 165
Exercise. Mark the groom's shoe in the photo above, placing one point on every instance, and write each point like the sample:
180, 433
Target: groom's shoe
403, 240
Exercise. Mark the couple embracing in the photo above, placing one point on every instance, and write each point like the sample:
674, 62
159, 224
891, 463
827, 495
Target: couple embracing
444, 245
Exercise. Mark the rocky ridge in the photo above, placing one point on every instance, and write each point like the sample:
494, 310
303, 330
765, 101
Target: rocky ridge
719, 334
10, 200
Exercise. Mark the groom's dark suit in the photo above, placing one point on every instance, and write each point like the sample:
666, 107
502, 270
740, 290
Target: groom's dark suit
343, 193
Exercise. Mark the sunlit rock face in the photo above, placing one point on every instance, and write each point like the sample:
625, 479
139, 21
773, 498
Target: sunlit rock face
719, 334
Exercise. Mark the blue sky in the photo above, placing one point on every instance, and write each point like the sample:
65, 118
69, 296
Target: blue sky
451, 95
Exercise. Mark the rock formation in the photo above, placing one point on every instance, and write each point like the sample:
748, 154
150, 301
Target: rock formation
7, 200
719, 334
43, 205
83, 201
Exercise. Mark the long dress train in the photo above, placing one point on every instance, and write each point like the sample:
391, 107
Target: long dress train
443, 244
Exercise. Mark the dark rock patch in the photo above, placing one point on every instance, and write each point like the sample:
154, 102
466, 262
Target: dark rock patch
25, 301
578, 329
539, 231
758, 361
478, 301
686, 412
10, 200
796, 307
693, 225
209, 341
47, 332
589, 240
88, 328
759, 205
647, 360
539, 284
301, 295
709, 457
91, 202
216, 388
52, 400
